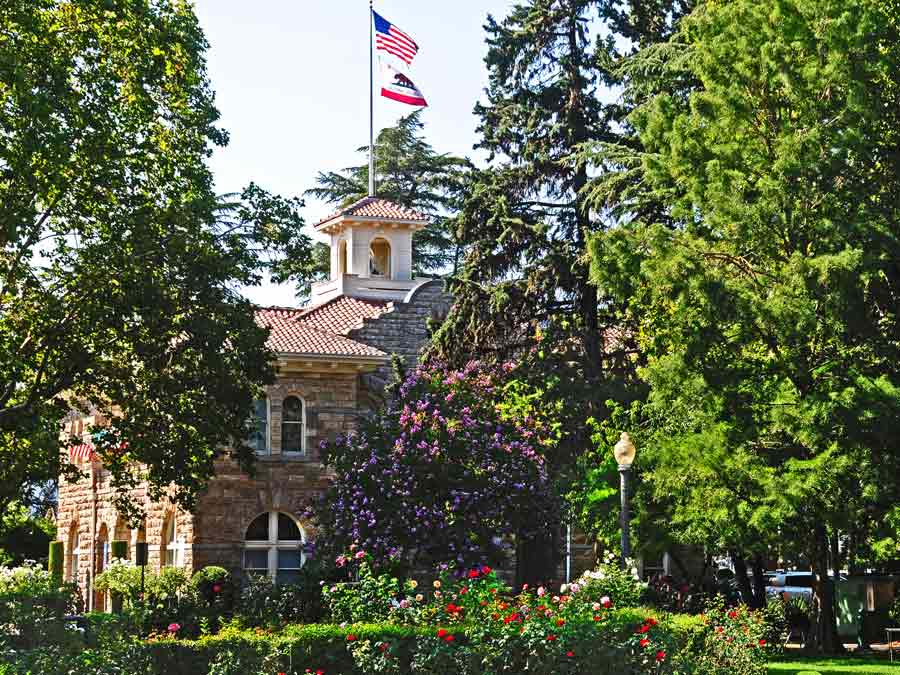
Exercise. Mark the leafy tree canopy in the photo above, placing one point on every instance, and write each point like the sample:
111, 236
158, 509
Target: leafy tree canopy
766, 301
119, 267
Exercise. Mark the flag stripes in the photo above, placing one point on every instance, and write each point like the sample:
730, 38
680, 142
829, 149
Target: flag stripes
390, 39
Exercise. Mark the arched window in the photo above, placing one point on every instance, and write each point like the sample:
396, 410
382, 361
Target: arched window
380, 258
274, 547
102, 549
173, 546
74, 552
259, 439
293, 417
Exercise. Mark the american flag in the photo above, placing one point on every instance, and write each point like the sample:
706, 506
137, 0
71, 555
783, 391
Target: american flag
390, 39
81, 452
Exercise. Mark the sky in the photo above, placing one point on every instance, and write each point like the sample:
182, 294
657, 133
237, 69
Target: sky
291, 80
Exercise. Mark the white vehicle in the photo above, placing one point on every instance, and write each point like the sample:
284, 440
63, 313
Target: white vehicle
790, 584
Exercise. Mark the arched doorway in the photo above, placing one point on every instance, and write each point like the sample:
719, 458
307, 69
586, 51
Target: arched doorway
380, 258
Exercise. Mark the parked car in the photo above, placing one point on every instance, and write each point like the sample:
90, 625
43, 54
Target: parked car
791, 584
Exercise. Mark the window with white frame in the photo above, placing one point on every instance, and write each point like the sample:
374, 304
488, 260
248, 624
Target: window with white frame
273, 547
259, 438
173, 546
293, 418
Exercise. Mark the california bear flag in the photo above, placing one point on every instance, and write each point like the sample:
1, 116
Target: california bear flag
399, 87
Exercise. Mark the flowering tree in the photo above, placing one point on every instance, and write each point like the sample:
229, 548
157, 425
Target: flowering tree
451, 470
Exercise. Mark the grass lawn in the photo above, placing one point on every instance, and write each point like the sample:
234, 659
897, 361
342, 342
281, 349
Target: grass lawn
835, 667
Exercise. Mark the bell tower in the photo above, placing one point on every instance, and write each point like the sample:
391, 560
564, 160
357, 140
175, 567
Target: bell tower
371, 251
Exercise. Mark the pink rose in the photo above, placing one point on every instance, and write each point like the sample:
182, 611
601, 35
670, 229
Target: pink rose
174, 627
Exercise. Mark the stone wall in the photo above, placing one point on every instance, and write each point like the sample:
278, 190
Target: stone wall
215, 533
403, 330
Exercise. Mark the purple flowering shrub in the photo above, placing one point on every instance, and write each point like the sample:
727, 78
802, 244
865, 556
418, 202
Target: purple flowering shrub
448, 471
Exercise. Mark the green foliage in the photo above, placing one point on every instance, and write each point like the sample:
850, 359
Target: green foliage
267, 604
410, 173
368, 599
24, 535
105, 187
765, 299
734, 640
55, 561
32, 607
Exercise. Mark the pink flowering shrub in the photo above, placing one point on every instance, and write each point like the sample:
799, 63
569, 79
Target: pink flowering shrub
446, 472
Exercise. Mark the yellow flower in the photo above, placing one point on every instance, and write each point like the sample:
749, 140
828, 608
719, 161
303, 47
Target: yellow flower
413, 583
437, 583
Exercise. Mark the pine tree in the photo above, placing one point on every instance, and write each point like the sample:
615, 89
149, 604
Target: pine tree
768, 296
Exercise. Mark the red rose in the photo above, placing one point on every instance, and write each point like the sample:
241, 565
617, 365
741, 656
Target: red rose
570, 654
485, 570
463, 590
351, 637
660, 656
449, 638
441, 633
217, 588
473, 574
551, 637
732, 614
762, 643
644, 642
560, 622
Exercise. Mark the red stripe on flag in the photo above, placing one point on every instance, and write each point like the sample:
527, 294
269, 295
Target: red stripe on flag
393, 48
403, 37
411, 100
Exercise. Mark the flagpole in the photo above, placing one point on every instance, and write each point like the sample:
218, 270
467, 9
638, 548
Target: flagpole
371, 105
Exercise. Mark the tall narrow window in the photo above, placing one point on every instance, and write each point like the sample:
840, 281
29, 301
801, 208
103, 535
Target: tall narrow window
292, 432
74, 553
342, 258
259, 439
274, 547
173, 547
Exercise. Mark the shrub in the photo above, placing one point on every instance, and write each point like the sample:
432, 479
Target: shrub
32, 608
372, 598
732, 640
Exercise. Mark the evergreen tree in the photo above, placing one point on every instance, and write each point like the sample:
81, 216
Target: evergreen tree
409, 172
767, 297
525, 291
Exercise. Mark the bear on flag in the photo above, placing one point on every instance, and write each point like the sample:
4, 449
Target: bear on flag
398, 87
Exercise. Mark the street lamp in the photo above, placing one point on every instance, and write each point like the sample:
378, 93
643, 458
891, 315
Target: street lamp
624, 452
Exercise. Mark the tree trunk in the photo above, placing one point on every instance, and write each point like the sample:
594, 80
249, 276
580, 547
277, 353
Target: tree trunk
759, 582
743, 581
826, 628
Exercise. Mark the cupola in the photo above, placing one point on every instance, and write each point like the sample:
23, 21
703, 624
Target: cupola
371, 250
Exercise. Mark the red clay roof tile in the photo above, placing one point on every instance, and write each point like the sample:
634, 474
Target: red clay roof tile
375, 207
343, 313
290, 335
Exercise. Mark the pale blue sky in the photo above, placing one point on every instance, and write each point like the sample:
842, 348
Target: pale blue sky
291, 80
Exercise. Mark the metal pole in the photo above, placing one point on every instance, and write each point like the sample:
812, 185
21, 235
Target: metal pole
623, 483
568, 553
371, 104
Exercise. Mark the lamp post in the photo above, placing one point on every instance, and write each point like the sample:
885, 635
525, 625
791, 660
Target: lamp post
624, 452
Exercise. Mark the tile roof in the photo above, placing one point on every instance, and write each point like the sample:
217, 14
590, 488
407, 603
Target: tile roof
290, 335
375, 207
343, 313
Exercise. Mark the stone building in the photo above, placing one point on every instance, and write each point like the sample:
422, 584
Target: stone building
333, 358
